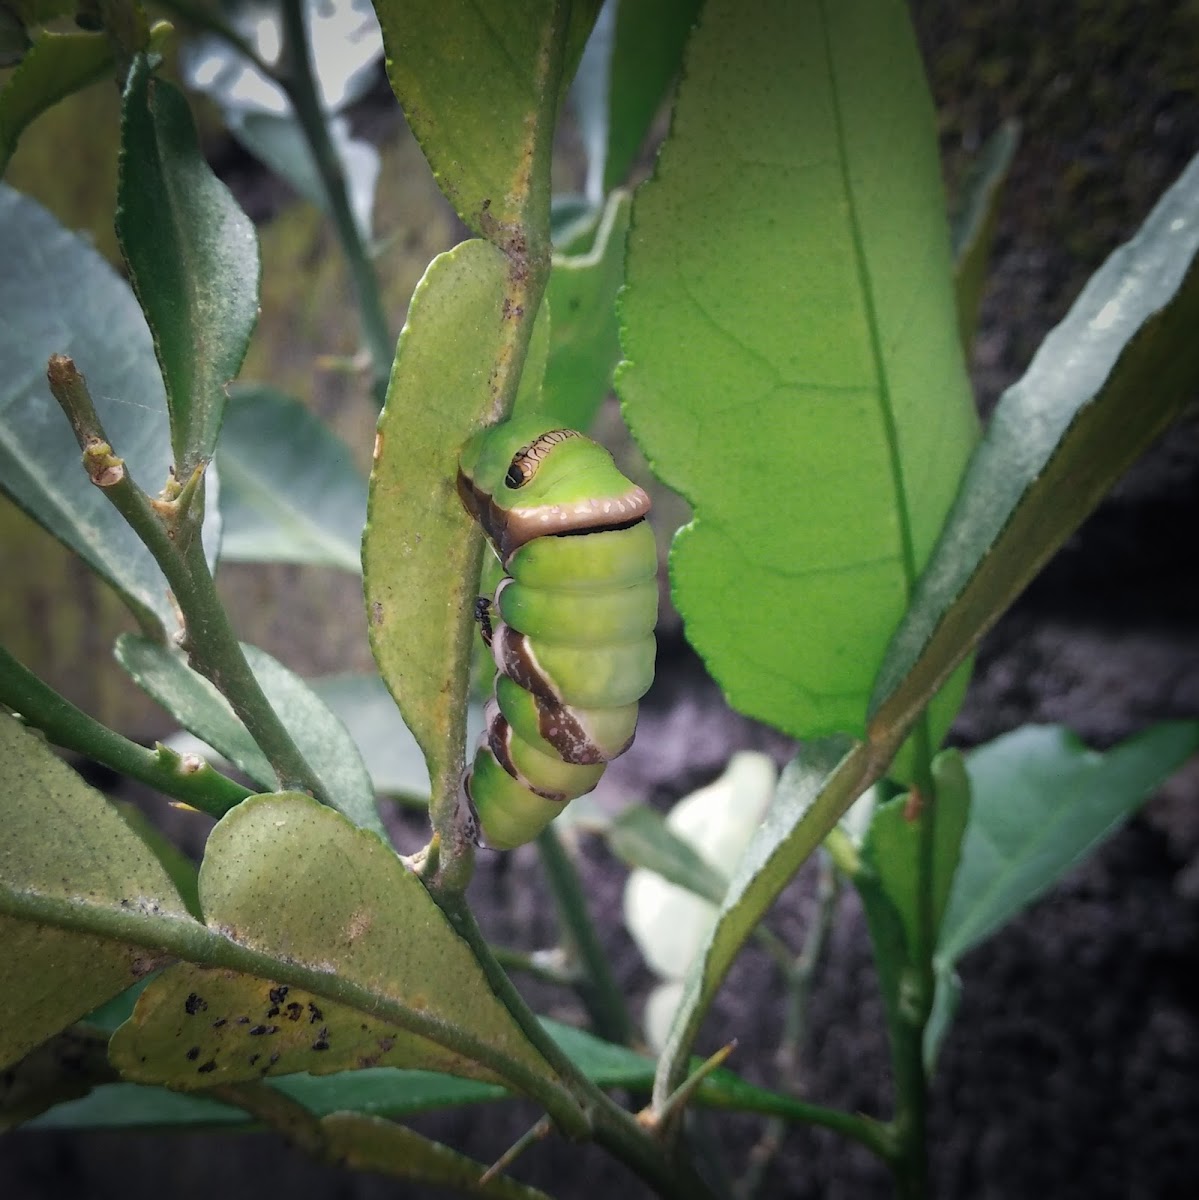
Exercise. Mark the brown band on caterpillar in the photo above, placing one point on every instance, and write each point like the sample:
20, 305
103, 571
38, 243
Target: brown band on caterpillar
515, 657
510, 528
499, 735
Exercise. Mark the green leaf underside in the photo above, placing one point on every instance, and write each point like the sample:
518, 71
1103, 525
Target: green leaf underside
1103, 385
320, 735
56, 65
322, 739
64, 842
58, 296
289, 877
789, 326
193, 260
289, 489
584, 341
194, 703
812, 793
647, 48
476, 126
388, 748
1042, 801
420, 554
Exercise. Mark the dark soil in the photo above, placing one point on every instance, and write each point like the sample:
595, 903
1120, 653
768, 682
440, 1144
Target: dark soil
1073, 1067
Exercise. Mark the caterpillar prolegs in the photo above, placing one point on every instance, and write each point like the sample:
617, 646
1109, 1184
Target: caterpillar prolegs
570, 626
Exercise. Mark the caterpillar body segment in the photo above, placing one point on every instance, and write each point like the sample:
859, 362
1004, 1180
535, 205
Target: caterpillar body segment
571, 624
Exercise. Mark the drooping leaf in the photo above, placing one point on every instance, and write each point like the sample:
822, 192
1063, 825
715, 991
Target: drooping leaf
289, 489
1042, 802
1103, 385
788, 324
65, 848
58, 296
419, 557
56, 65
813, 791
192, 256
584, 339
322, 739
320, 736
194, 703
481, 94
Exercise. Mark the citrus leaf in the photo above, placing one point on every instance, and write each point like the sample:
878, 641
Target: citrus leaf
192, 256
1102, 386
195, 1027
55, 66
788, 324
420, 553
481, 93
1042, 802
289, 489
388, 748
58, 296
64, 846
194, 702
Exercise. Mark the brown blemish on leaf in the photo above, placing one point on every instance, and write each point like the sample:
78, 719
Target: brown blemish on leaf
360, 922
376, 613
194, 1004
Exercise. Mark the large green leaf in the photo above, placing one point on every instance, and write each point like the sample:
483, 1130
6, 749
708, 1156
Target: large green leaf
193, 259
1103, 385
420, 556
813, 792
63, 846
56, 65
793, 367
480, 90
289, 489
58, 296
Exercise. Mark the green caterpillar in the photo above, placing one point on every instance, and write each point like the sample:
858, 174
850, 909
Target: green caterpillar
571, 624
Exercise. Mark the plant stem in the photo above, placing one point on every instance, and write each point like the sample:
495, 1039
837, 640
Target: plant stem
296, 77
170, 530
604, 1120
598, 988
536, 965
193, 781
909, 1164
